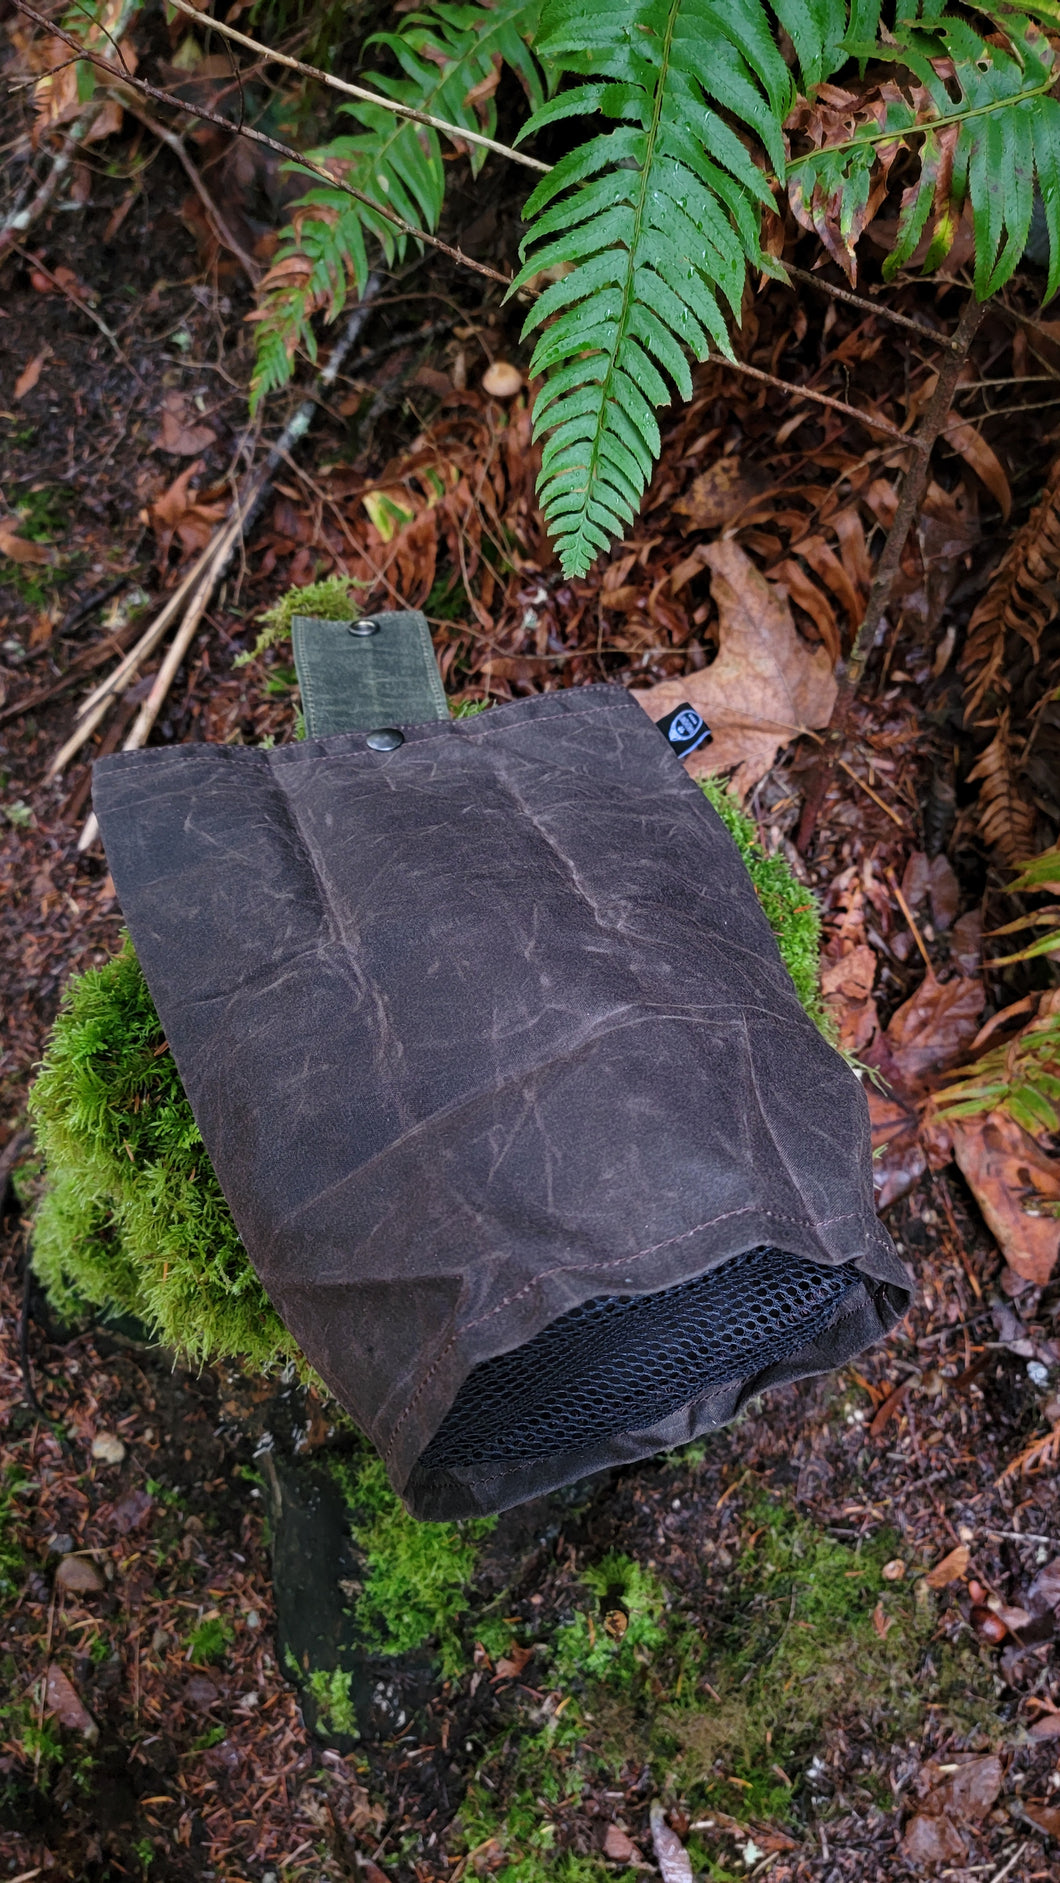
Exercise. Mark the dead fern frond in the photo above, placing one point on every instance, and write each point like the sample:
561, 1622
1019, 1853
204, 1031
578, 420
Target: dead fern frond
1006, 820
1042, 1455
1023, 598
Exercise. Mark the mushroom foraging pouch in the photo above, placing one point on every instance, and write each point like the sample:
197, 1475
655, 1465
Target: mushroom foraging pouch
507, 1087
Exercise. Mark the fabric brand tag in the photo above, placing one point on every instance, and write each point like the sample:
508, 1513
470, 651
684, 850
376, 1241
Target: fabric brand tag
685, 729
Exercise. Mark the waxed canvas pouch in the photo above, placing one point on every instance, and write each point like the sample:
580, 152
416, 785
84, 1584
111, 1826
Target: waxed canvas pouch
505, 1082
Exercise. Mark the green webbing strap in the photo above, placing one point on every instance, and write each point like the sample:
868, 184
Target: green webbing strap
359, 676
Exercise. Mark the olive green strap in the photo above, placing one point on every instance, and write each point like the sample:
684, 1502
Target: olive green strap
359, 676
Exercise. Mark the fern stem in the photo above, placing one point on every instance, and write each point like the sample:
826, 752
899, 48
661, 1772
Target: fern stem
455, 131
875, 139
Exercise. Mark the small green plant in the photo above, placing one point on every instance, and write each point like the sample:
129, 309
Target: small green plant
686, 123
210, 1640
417, 1578
331, 1691
13, 1563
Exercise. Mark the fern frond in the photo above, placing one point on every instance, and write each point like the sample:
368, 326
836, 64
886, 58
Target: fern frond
1021, 601
655, 222
450, 56
987, 147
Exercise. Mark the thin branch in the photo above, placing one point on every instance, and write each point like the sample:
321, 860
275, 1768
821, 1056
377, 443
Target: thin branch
34, 261
123, 81
869, 307
911, 496
175, 143
358, 91
22, 220
819, 398
211, 567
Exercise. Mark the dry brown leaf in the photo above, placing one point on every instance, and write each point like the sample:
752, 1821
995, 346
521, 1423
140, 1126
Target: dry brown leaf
1011, 1178
932, 1030
931, 1840
511, 1665
64, 1703
182, 436
899, 1159
179, 512
763, 687
718, 495
1046, 1817
970, 444
619, 1847
670, 1854
20, 550
881, 1621
30, 373
966, 1785
951, 1568
932, 879
1046, 1727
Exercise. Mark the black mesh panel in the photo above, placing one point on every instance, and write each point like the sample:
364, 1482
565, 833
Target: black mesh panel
621, 1363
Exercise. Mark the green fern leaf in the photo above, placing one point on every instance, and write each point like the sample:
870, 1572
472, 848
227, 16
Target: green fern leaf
656, 221
449, 55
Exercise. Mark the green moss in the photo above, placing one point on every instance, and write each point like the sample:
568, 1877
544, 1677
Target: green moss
812, 1637
789, 907
132, 1219
616, 1630
335, 1709
417, 1579
329, 600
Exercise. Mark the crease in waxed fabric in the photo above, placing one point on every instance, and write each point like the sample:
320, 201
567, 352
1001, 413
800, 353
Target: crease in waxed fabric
366, 988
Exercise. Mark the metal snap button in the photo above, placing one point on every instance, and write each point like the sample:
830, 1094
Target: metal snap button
365, 626
386, 739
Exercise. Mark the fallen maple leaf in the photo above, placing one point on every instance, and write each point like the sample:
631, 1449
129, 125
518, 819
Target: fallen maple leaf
766, 684
1013, 1181
30, 373
847, 988
931, 1840
1046, 1817
182, 437
670, 1854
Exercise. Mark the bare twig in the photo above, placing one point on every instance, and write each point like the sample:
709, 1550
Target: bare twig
209, 570
870, 307
21, 220
914, 484
123, 81
358, 91
819, 398
75, 300
175, 143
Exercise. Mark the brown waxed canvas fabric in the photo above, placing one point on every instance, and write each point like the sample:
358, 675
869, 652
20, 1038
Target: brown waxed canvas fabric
480, 1029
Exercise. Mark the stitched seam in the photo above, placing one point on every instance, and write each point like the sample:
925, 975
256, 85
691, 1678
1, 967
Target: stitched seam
240, 754
579, 1268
